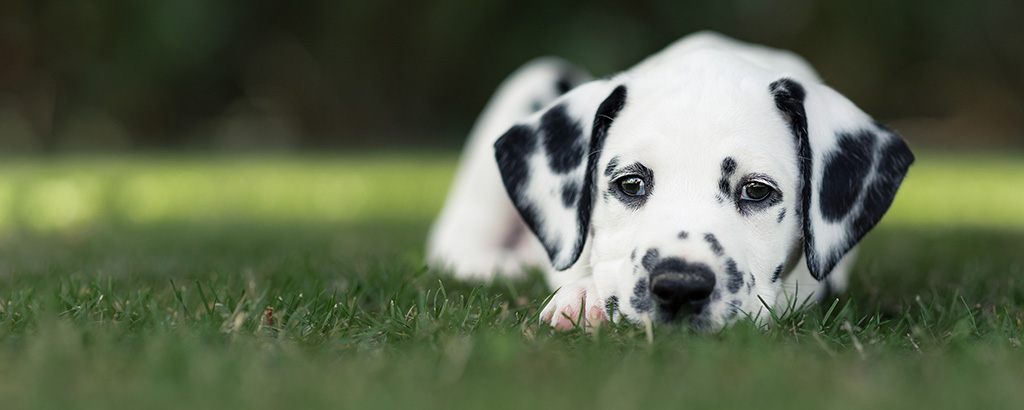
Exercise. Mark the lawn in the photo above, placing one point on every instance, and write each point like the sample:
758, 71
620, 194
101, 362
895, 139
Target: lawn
295, 281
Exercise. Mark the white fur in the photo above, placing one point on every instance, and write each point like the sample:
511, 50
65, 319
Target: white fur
468, 236
727, 112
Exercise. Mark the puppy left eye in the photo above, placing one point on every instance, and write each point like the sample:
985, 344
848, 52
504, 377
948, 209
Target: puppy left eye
755, 191
632, 185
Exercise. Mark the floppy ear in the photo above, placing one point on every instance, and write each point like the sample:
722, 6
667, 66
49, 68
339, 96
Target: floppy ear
850, 165
548, 163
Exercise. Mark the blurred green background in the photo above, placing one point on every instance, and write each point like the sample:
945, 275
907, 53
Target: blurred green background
105, 75
271, 155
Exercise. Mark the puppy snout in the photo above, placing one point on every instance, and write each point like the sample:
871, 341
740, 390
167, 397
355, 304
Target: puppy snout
681, 287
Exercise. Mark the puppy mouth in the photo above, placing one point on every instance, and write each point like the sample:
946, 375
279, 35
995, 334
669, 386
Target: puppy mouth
684, 312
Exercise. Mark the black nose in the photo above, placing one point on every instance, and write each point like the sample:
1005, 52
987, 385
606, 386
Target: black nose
681, 287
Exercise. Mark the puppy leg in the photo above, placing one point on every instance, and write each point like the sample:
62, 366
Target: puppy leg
575, 304
479, 233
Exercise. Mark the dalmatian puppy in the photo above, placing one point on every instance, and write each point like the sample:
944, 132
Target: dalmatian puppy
710, 182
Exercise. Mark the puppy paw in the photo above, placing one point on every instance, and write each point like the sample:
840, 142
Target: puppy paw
563, 310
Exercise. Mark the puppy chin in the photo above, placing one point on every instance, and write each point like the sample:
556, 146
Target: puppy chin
701, 322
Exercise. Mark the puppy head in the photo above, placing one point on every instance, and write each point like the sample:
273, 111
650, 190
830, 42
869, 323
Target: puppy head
697, 185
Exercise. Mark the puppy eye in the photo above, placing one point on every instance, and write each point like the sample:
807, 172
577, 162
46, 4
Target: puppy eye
632, 185
755, 191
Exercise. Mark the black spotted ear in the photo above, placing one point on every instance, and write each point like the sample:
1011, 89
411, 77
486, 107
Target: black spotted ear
548, 163
850, 165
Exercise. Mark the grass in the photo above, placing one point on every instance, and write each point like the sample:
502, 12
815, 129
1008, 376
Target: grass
295, 281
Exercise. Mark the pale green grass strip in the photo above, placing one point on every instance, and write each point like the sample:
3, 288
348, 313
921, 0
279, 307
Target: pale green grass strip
69, 192
942, 189
962, 190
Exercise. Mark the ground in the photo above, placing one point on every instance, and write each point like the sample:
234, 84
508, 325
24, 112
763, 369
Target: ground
296, 280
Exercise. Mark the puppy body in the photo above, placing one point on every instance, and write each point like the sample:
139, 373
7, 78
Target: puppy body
479, 234
708, 181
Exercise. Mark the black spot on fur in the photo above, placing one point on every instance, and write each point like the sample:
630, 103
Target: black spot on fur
641, 299
570, 194
789, 99
844, 173
611, 305
632, 255
716, 247
751, 282
563, 142
613, 164
782, 215
650, 259
735, 276
683, 234
512, 152
890, 164
728, 168
606, 113
563, 85
895, 160
734, 310
777, 273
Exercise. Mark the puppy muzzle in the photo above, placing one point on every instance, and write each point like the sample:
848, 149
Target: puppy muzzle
681, 288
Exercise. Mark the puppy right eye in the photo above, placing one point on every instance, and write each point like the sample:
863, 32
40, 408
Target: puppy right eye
632, 185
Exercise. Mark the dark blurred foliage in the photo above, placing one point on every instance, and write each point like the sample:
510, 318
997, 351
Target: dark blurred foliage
195, 74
